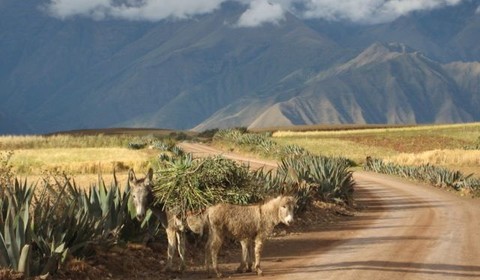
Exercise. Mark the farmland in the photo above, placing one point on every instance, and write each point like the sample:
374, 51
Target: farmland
85, 154
452, 146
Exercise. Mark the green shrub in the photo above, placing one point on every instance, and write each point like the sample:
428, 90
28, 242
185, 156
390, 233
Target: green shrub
316, 177
189, 184
259, 143
437, 176
39, 228
300, 173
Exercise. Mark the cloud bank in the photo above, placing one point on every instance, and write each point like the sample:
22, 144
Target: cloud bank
369, 11
148, 10
261, 12
257, 12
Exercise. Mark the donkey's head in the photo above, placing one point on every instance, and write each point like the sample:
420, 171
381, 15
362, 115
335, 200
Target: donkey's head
286, 209
141, 192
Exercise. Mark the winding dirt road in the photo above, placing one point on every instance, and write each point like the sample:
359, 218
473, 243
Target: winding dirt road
406, 231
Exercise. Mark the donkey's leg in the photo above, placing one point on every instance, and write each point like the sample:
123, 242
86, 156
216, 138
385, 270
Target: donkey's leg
181, 248
172, 245
215, 245
208, 254
258, 252
243, 262
250, 255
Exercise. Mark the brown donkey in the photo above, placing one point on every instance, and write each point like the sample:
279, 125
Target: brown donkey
248, 224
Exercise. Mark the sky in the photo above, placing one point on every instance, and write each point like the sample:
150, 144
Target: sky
257, 12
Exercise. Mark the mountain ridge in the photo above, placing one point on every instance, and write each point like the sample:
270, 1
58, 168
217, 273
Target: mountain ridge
206, 72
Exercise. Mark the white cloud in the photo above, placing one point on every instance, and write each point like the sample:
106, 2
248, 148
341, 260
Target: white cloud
478, 10
260, 12
150, 10
257, 12
369, 11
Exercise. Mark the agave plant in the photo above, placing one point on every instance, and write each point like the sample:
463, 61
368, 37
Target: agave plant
314, 176
107, 204
437, 176
40, 228
14, 230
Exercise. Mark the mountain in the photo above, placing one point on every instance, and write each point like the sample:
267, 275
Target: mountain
386, 83
206, 72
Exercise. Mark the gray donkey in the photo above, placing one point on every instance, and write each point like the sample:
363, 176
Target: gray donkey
142, 196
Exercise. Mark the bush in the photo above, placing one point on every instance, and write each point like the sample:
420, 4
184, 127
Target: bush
300, 173
188, 184
437, 176
314, 177
39, 228
259, 143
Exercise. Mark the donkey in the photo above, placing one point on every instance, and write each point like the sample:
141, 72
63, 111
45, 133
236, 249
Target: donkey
142, 195
248, 224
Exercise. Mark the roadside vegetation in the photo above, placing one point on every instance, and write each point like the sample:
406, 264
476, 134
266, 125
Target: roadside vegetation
451, 146
47, 221
446, 156
43, 225
52, 216
85, 155
436, 176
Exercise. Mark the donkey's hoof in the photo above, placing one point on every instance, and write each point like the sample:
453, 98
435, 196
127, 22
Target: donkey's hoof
259, 272
240, 269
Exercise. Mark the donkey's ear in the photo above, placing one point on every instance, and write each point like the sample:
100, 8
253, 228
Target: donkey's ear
150, 174
131, 176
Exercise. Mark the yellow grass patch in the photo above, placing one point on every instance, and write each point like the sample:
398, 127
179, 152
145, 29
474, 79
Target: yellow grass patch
464, 129
78, 160
458, 158
14, 142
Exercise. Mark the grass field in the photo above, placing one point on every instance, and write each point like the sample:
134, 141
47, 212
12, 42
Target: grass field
435, 144
85, 154
83, 157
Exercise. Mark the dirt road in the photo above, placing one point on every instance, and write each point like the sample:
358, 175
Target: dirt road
406, 231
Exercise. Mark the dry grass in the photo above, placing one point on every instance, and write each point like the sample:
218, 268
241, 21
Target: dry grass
81, 156
438, 157
467, 161
78, 160
82, 164
435, 144
15, 142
